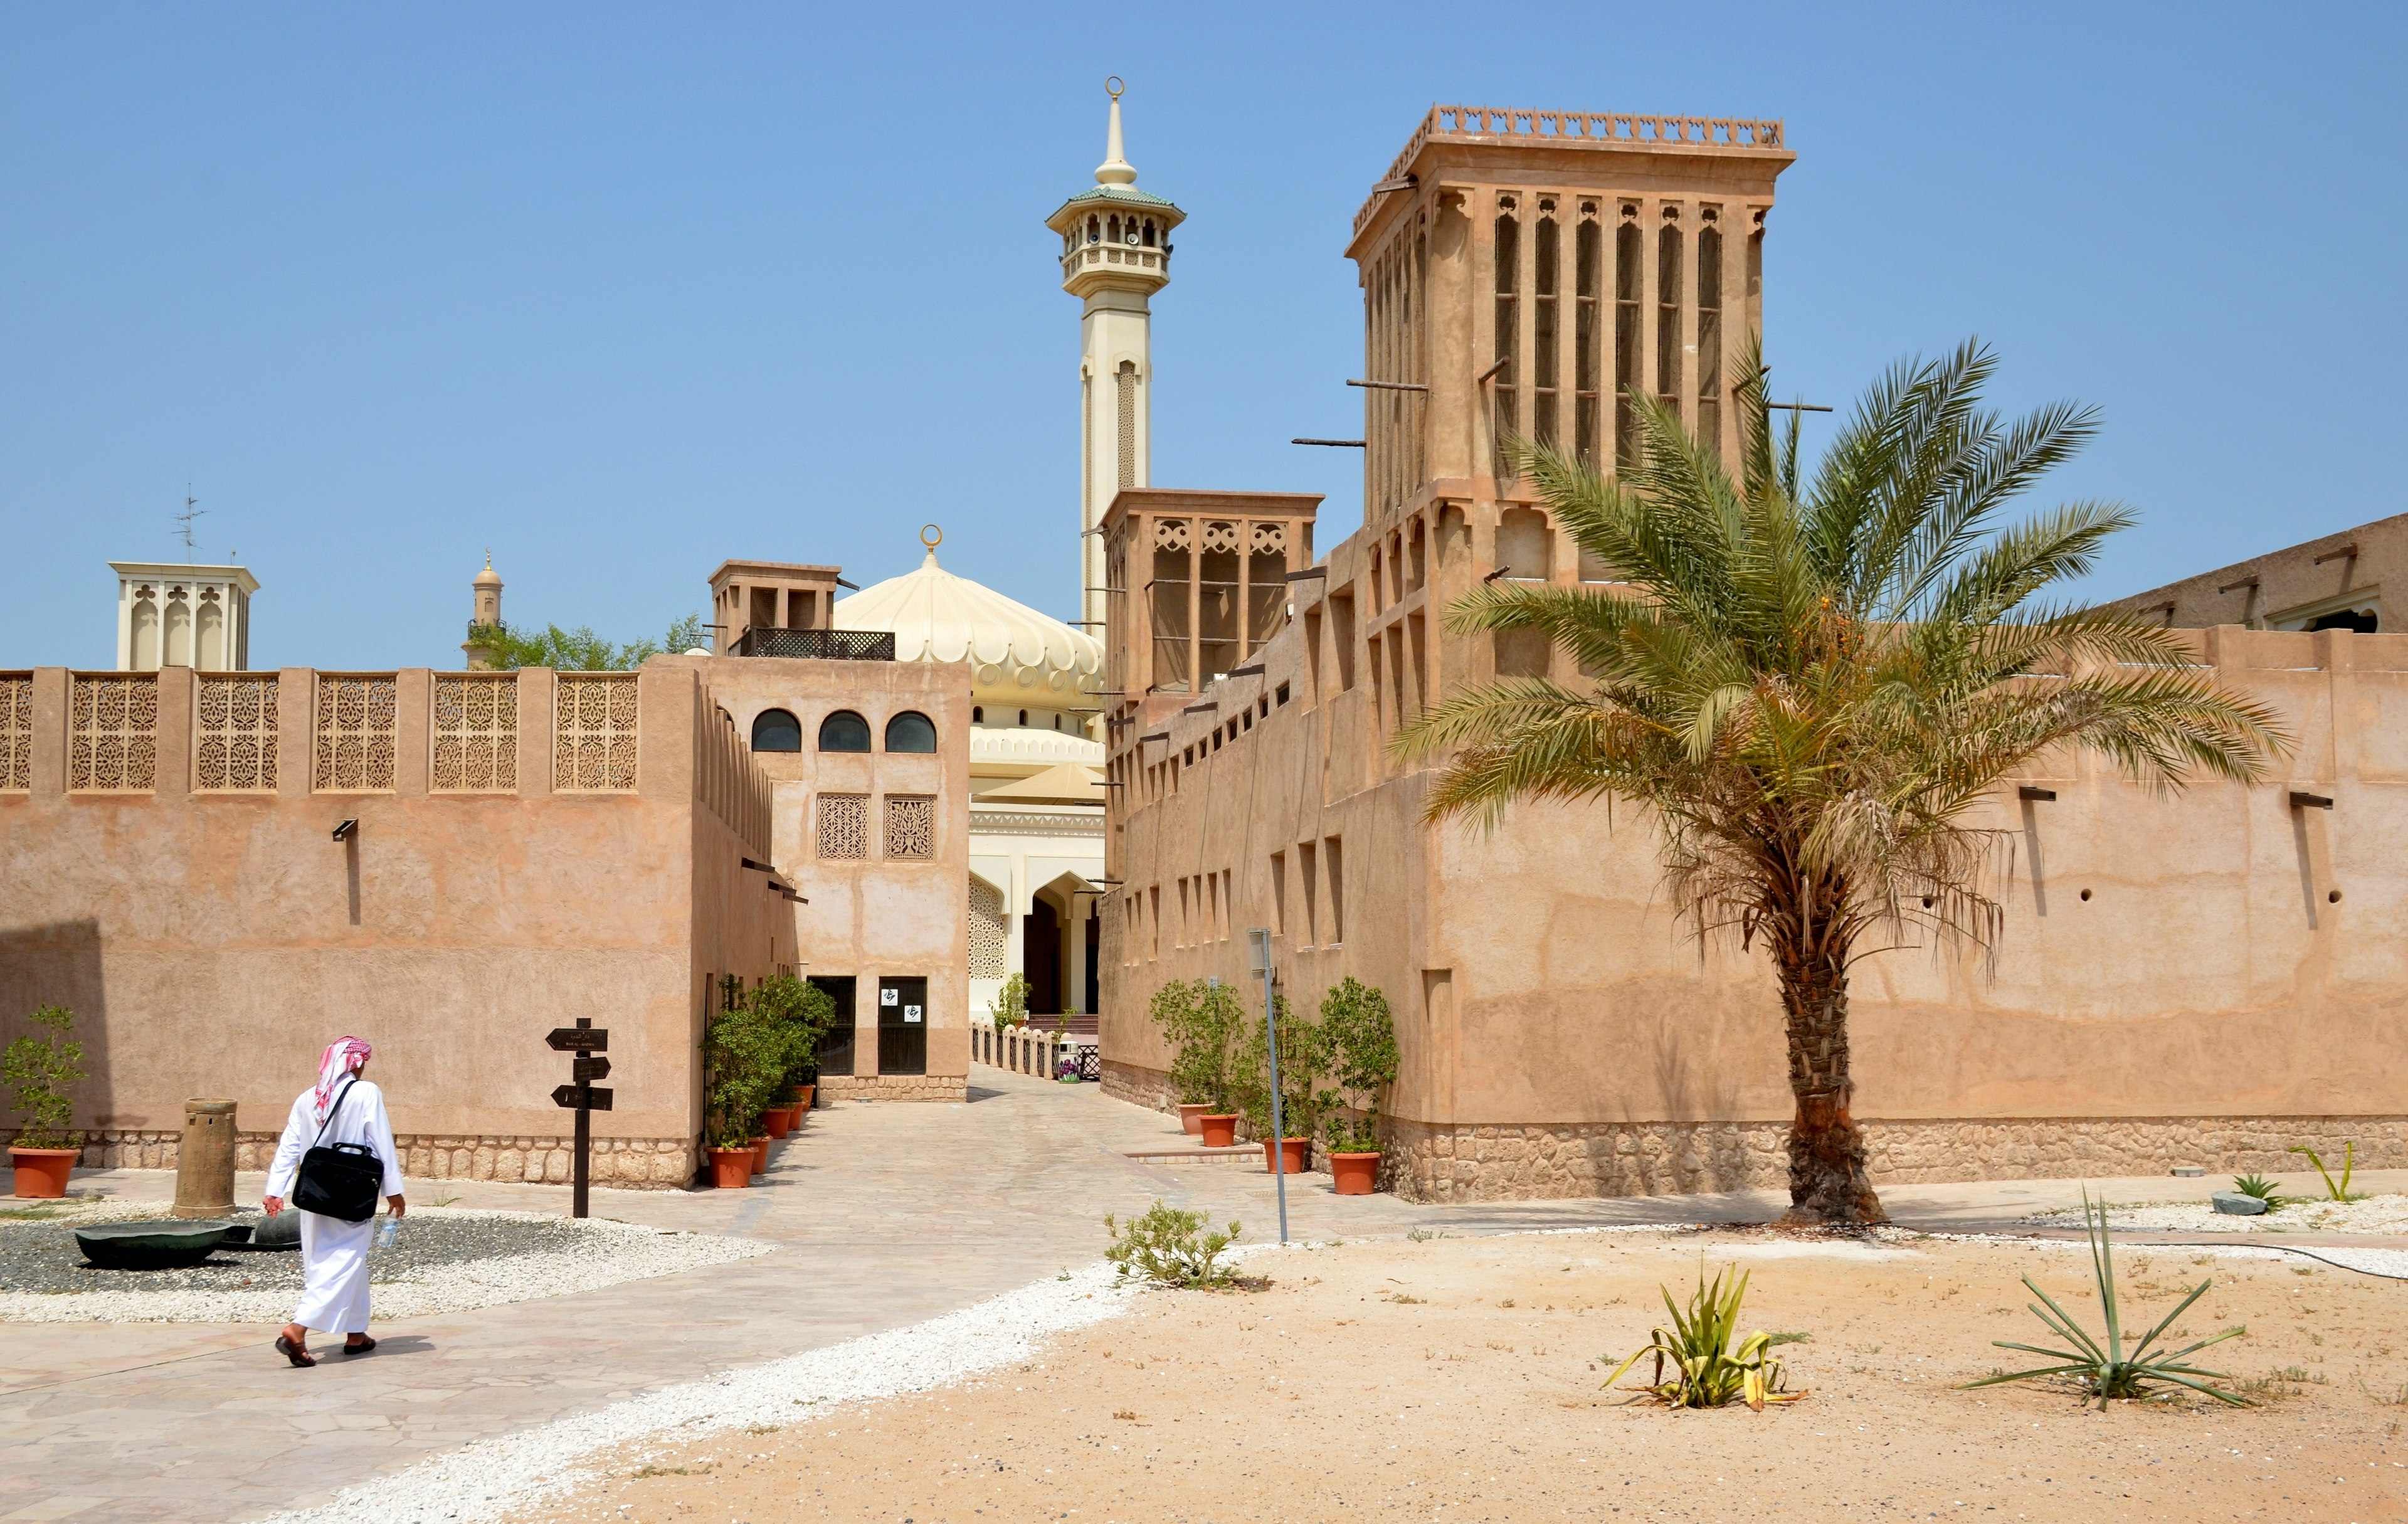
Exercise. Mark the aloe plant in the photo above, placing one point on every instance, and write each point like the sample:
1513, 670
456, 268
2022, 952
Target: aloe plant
2105, 1369
2262, 1188
1707, 1371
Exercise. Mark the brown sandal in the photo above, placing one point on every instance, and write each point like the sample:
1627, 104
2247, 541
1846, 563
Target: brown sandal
365, 1344
291, 1351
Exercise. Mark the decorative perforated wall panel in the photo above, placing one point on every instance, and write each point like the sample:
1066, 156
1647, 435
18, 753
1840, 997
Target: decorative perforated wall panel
234, 735
16, 732
594, 733
989, 939
476, 734
113, 734
910, 825
355, 725
844, 825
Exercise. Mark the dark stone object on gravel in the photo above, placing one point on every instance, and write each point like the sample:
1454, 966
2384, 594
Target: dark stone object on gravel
156, 1244
44, 1256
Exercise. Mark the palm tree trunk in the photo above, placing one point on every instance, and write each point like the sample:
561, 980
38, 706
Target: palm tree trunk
1827, 1152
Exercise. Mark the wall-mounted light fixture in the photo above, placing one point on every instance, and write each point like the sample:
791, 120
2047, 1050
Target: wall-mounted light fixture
2030, 795
348, 829
2309, 801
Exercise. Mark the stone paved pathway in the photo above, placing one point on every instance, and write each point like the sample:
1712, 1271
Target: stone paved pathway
884, 1215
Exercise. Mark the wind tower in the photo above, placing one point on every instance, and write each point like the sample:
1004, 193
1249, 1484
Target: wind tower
1116, 255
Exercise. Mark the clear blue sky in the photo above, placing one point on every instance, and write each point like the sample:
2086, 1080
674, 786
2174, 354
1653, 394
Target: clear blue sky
622, 292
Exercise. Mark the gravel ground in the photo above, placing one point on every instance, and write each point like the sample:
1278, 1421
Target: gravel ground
492, 1479
449, 1259
2374, 1214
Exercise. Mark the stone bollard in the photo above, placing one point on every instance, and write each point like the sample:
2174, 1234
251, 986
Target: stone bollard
205, 1161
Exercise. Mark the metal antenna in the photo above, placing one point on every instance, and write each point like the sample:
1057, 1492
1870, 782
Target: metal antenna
184, 520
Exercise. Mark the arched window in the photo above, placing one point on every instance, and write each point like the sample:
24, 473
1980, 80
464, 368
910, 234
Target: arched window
1149, 231
977, 716
1092, 234
1113, 230
775, 730
844, 731
910, 731
1023, 716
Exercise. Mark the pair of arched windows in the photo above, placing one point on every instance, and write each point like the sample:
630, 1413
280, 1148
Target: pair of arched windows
777, 730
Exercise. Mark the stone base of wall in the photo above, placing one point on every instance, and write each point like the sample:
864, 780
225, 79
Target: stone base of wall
835, 1088
1518, 1163
621, 1163
1531, 1162
1147, 1088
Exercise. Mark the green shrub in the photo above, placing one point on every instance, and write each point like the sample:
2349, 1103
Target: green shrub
2348, 1163
1359, 1034
2105, 1371
1204, 1023
1009, 1007
1706, 1370
1170, 1248
803, 1015
1303, 1063
40, 1072
745, 1052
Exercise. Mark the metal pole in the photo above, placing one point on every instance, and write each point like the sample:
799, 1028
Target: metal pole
1260, 940
585, 1152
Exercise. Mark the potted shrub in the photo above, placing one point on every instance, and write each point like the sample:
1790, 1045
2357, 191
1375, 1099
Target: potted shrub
1204, 1023
800, 1014
1359, 1035
743, 1058
1303, 1062
40, 1070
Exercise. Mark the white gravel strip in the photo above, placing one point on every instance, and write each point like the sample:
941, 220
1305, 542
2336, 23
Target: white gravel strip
2374, 1214
490, 1478
613, 1253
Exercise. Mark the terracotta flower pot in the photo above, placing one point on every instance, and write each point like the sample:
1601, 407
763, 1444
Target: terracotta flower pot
760, 1155
731, 1168
808, 1092
777, 1119
1218, 1131
1355, 1174
43, 1172
1191, 1119
1296, 1150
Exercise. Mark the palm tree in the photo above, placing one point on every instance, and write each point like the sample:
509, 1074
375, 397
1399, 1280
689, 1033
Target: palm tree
1811, 684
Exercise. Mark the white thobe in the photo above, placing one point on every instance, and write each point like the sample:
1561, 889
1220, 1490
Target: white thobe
335, 1252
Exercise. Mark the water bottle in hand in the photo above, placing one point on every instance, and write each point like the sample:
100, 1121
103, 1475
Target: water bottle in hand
390, 1234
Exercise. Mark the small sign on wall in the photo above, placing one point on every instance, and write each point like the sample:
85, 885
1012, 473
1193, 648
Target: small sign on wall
890, 996
910, 1013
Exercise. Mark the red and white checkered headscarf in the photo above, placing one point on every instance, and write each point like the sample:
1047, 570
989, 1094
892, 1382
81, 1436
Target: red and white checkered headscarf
342, 1056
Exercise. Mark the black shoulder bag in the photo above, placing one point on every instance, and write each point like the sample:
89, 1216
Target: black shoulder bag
342, 1181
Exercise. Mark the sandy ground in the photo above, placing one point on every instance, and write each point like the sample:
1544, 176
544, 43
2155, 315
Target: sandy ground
1458, 1379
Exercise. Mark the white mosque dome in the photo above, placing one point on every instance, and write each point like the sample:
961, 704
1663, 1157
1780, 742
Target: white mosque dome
1016, 655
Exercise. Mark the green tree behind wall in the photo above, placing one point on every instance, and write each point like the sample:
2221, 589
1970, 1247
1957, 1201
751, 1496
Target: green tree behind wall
581, 650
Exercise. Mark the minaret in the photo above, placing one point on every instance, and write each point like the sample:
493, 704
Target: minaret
1116, 255
486, 587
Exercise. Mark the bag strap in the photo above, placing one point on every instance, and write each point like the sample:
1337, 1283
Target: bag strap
333, 1108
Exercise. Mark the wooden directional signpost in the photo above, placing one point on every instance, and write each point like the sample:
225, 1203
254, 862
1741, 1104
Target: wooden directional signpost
587, 1041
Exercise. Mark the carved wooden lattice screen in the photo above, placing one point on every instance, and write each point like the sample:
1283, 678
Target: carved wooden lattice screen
910, 825
355, 734
16, 732
594, 733
989, 939
234, 735
476, 734
844, 825
113, 734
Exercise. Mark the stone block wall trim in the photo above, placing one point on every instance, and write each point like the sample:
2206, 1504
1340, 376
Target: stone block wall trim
842, 1087
621, 1163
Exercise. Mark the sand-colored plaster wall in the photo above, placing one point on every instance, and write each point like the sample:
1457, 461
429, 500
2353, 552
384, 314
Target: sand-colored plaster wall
212, 944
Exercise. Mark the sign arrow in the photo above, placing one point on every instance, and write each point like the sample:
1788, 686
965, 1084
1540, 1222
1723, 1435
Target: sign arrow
587, 1070
579, 1038
580, 1097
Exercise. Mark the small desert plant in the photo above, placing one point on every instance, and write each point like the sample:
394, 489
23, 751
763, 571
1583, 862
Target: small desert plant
2257, 1186
1170, 1248
2106, 1370
41, 1070
1707, 1371
2348, 1163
